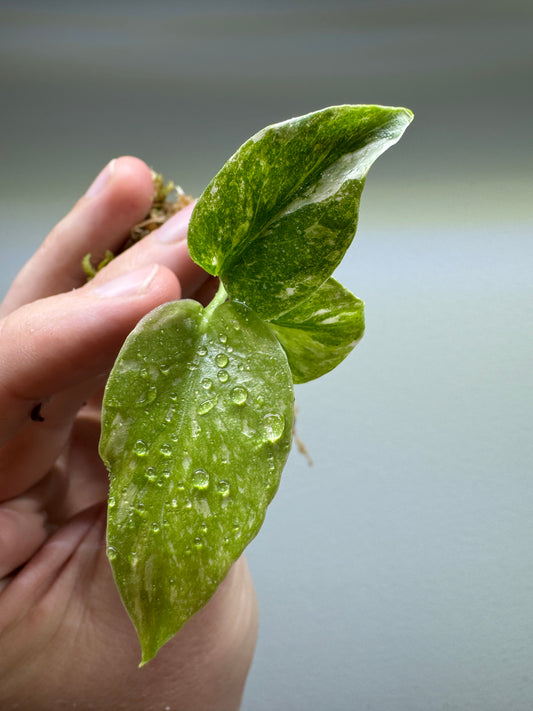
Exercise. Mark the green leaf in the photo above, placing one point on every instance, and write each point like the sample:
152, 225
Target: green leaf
197, 420
276, 221
321, 331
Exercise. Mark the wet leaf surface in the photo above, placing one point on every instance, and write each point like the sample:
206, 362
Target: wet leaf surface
197, 427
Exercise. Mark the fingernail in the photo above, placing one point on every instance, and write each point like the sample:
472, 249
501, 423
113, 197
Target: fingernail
101, 180
127, 284
175, 229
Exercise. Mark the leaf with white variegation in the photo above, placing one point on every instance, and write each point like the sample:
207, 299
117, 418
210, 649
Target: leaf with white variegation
198, 410
278, 218
320, 332
196, 421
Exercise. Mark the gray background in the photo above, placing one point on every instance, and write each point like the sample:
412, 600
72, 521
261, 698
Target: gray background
396, 573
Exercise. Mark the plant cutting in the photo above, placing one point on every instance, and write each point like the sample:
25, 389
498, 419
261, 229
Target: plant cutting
198, 410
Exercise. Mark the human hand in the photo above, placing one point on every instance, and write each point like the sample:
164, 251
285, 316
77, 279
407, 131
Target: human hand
65, 638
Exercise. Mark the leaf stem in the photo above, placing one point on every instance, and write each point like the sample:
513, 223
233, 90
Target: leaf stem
216, 301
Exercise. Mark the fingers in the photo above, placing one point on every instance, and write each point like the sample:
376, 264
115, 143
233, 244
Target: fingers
53, 352
167, 246
119, 197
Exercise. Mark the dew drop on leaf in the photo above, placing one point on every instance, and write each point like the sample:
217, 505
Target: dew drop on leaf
223, 488
166, 450
202, 351
140, 448
274, 426
223, 338
207, 383
111, 503
200, 479
111, 552
155, 527
239, 395
206, 406
223, 376
150, 474
222, 360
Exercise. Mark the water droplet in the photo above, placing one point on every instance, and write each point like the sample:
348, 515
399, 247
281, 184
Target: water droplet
166, 475
202, 351
140, 448
151, 394
188, 504
207, 406
155, 527
239, 395
111, 552
200, 479
274, 426
111, 503
165, 368
221, 359
173, 396
229, 349
174, 503
166, 450
259, 400
207, 383
180, 485
198, 543
203, 527
223, 376
223, 338
223, 488
150, 474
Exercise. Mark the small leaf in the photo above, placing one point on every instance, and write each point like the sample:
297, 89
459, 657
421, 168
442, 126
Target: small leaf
197, 420
321, 331
276, 221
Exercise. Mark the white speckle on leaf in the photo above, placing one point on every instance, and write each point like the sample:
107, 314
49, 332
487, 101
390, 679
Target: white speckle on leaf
289, 291
331, 319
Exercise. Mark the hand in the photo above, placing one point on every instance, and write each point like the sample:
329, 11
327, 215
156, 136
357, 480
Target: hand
65, 639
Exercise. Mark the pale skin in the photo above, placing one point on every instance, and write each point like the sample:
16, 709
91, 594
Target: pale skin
65, 639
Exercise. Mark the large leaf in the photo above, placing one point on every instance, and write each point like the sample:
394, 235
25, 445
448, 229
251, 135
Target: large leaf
320, 332
276, 221
197, 421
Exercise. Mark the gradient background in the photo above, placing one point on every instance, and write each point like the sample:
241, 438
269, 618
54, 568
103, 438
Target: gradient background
397, 572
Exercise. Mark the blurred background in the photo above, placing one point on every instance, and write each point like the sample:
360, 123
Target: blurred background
396, 573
